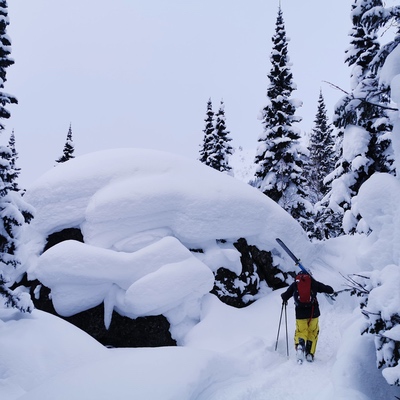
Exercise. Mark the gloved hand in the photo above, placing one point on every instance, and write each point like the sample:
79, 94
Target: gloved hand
330, 289
284, 301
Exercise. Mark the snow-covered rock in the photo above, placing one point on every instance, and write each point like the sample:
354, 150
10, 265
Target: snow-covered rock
140, 213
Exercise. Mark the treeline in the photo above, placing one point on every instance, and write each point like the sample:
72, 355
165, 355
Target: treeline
317, 182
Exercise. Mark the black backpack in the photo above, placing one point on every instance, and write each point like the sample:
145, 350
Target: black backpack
303, 294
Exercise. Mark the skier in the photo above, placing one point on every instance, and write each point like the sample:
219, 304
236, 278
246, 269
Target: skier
304, 291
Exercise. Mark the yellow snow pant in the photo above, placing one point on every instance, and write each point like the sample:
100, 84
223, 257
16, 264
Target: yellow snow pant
307, 330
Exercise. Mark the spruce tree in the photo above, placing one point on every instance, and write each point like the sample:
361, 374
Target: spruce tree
14, 211
5, 62
208, 139
361, 119
381, 320
321, 163
14, 170
378, 16
69, 149
279, 156
322, 153
220, 150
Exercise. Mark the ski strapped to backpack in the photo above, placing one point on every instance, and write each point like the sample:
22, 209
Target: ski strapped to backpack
293, 257
305, 271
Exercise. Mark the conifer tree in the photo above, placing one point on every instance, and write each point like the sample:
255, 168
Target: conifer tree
381, 320
5, 62
69, 149
279, 156
220, 150
14, 170
322, 153
360, 119
321, 163
378, 16
14, 211
208, 139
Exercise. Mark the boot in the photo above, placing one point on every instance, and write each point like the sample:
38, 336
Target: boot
300, 351
308, 346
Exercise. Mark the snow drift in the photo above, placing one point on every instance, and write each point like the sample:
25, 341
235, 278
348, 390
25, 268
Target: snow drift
140, 213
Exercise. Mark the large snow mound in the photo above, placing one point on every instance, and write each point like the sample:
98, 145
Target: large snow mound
141, 212
117, 195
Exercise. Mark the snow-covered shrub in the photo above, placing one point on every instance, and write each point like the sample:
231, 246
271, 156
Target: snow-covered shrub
379, 286
380, 304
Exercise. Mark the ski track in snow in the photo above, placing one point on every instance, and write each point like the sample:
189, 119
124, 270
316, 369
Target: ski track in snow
277, 377
300, 382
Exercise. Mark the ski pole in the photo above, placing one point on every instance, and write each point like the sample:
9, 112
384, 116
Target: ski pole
279, 327
287, 340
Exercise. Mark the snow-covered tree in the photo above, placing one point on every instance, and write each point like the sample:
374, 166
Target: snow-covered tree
279, 157
367, 109
322, 153
378, 17
5, 62
69, 148
362, 120
379, 306
68, 151
321, 163
208, 130
220, 150
14, 170
14, 211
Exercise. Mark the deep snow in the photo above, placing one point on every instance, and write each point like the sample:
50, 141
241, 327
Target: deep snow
140, 211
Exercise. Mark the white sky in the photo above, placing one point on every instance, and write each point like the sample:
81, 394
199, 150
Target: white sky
134, 73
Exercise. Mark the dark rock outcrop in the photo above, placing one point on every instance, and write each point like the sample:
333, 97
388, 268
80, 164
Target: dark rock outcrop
257, 265
260, 262
61, 236
123, 331
234, 290
150, 331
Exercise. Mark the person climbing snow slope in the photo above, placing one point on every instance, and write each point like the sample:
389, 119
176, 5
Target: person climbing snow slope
304, 291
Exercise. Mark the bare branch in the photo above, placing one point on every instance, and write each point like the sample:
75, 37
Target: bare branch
362, 100
336, 87
354, 285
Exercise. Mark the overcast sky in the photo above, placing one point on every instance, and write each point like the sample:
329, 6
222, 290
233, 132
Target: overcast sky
138, 73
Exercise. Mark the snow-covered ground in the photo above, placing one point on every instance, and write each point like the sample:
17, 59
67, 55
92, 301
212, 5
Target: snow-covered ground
229, 355
140, 212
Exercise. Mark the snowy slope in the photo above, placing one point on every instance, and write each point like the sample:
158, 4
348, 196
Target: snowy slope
224, 353
229, 355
